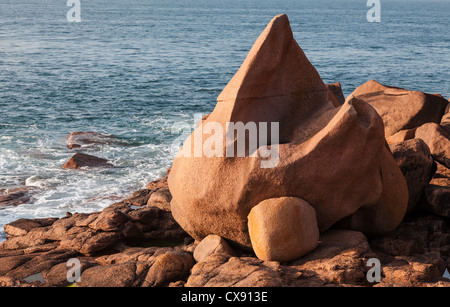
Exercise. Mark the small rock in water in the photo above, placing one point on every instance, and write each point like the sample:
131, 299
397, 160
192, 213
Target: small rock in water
16, 196
79, 139
80, 160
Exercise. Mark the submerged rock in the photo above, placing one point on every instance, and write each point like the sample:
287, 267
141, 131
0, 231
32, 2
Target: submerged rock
80, 160
86, 138
17, 196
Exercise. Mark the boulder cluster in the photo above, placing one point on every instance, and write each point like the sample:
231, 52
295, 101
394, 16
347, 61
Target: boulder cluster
334, 168
358, 177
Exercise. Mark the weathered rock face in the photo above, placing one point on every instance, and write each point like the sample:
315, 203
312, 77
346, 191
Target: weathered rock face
87, 138
333, 158
401, 109
40, 248
17, 196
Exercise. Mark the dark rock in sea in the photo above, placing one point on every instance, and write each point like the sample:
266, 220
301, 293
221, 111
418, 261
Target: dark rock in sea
17, 196
80, 160
87, 138
122, 247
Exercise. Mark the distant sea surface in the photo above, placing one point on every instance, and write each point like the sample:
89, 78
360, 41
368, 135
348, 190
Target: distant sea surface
140, 69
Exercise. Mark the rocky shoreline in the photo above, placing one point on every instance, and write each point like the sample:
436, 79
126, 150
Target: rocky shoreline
137, 243
363, 180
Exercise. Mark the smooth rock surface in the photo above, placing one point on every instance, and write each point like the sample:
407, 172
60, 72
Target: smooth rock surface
87, 138
283, 229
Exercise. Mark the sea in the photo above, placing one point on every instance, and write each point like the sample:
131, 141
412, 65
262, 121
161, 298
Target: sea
142, 70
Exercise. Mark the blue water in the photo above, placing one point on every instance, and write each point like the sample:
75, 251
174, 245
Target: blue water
140, 68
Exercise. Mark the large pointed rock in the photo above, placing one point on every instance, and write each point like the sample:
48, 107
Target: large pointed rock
399, 108
333, 158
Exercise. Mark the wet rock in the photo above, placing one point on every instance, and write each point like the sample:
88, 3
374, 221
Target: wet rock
86, 138
17, 196
80, 160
